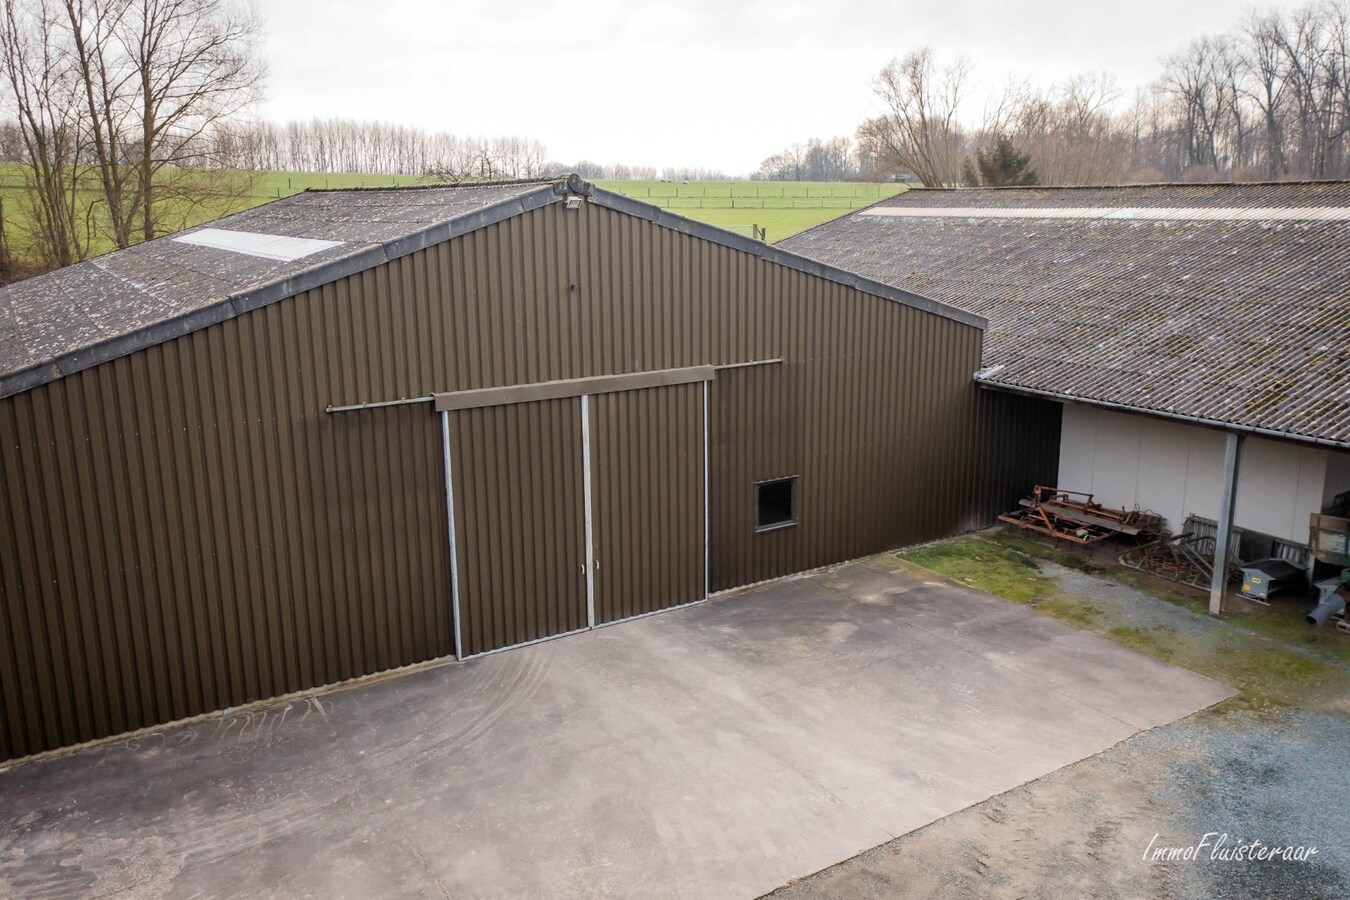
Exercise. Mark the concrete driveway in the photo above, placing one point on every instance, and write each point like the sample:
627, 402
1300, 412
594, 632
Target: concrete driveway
717, 751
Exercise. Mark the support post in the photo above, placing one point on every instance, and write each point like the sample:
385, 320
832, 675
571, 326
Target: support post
707, 568
586, 508
1223, 535
450, 517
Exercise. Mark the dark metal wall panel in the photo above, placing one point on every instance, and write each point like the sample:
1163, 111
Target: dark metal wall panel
754, 435
518, 522
186, 529
1020, 442
647, 513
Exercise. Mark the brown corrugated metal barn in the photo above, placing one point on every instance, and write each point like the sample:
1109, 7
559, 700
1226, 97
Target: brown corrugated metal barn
354, 430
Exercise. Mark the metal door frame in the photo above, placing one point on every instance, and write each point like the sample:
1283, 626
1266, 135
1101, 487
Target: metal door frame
584, 388
592, 563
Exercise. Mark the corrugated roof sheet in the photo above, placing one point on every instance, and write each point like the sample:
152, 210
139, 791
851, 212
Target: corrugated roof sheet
1232, 320
75, 317
107, 307
1176, 213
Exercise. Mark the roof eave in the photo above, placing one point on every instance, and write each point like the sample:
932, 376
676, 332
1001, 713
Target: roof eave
1315, 440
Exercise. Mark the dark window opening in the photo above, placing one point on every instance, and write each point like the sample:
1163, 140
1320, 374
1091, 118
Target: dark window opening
776, 503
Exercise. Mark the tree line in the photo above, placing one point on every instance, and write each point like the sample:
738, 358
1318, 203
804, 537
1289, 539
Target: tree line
128, 120
383, 148
1267, 100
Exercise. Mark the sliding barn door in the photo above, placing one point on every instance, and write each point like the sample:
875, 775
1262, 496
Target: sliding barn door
647, 482
518, 520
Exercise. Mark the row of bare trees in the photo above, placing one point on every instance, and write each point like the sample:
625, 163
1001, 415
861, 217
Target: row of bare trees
382, 148
1272, 97
115, 109
1268, 100
624, 172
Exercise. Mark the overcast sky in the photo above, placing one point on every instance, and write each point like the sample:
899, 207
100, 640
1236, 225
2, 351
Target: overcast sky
710, 83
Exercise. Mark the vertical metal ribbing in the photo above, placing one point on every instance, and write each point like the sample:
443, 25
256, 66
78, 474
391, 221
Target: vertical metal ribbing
589, 565
450, 516
706, 590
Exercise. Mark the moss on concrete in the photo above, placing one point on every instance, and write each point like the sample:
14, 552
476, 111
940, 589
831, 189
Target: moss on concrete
984, 566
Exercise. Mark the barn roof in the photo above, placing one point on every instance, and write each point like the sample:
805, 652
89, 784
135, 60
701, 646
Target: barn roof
1226, 304
112, 305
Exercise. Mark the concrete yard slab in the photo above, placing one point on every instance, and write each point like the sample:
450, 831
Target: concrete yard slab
716, 751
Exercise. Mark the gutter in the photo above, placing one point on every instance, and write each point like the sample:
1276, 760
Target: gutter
1234, 427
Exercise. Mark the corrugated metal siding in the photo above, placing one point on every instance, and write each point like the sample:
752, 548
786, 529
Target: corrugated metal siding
518, 522
186, 529
755, 434
1019, 448
647, 473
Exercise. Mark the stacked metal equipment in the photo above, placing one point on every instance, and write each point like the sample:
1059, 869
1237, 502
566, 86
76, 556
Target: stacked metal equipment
1186, 558
1075, 516
1329, 542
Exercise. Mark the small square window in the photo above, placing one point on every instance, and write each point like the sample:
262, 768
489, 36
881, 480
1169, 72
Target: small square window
776, 503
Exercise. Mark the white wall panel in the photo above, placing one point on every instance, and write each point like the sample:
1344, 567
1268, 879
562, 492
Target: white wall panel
1338, 476
1175, 469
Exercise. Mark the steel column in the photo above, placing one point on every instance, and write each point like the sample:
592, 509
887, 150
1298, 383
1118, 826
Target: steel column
590, 564
450, 516
1219, 582
706, 519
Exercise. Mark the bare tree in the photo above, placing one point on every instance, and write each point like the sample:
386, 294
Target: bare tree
195, 69
120, 108
920, 129
44, 102
108, 86
1316, 63
1072, 132
1266, 84
8, 270
1271, 99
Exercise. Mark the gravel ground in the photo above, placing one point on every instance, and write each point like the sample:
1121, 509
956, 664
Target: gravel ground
1124, 603
1083, 831
1278, 776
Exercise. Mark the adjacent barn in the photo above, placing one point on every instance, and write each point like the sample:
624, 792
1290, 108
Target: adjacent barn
350, 431
1197, 336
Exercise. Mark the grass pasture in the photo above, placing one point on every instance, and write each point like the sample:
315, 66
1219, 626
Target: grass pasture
780, 209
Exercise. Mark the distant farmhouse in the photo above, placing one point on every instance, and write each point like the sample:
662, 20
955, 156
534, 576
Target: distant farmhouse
1162, 318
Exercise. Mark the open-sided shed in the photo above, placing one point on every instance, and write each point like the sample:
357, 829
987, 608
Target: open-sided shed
1184, 327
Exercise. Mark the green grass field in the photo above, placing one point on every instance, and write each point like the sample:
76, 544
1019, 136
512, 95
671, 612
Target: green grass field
778, 209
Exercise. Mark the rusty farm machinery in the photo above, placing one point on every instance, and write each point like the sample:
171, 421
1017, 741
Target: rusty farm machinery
1074, 516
